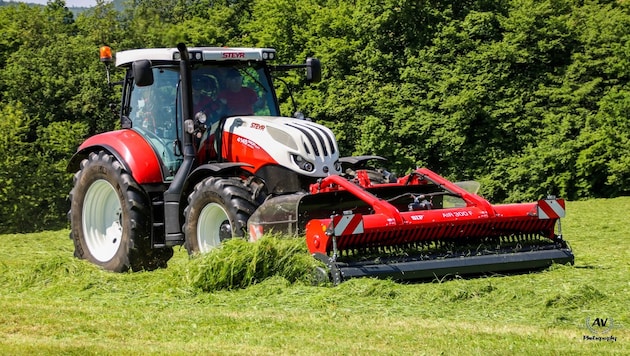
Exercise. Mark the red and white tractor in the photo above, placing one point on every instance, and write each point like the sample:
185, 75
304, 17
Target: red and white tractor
204, 155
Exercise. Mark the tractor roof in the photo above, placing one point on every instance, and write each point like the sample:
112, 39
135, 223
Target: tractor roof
125, 58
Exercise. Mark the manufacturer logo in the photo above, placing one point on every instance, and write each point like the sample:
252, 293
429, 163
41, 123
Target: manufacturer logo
257, 126
233, 55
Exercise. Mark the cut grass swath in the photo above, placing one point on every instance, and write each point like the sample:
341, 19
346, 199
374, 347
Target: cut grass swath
238, 263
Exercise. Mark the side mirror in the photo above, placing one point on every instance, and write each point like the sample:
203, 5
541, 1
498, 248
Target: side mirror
313, 70
142, 72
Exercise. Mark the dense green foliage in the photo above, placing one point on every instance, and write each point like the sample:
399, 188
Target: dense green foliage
530, 97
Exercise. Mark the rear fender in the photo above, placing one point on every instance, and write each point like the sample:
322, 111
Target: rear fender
129, 148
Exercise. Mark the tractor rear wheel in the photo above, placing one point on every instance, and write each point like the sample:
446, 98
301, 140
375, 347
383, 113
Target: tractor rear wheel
218, 209
110, 218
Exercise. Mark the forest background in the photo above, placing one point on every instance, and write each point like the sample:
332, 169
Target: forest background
529, 97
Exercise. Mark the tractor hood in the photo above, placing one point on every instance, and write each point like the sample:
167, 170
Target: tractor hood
302, 146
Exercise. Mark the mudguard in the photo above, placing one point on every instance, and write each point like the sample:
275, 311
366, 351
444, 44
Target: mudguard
131, 150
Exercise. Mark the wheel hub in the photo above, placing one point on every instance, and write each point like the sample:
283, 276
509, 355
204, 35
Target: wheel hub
213, 227
102, 220
225, 231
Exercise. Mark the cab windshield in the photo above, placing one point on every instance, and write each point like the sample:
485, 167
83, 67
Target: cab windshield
232, 90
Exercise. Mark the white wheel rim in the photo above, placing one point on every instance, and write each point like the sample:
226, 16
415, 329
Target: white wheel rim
211, 219
102, 226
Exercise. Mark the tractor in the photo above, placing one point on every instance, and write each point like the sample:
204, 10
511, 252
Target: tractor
204, 155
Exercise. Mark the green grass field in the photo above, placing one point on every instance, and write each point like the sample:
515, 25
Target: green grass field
53, 303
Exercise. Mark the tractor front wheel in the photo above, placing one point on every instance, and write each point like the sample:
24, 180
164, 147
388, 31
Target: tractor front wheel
218, 209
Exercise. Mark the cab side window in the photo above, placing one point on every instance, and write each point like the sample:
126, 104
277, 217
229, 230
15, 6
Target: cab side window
153, 111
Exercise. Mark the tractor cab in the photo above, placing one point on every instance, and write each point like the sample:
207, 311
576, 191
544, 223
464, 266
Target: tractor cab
224, 82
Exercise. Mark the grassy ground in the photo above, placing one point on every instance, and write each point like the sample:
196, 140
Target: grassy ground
53, 303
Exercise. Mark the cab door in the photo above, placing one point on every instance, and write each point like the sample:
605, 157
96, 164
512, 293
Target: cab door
154, 112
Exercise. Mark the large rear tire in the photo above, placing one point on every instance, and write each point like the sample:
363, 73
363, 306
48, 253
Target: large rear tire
110, 218
218, 209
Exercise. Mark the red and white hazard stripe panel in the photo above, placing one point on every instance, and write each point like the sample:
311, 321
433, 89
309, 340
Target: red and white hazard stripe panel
551, 209
347, 224
255, 232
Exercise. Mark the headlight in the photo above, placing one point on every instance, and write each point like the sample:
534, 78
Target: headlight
200, 117
303, 164
189, 126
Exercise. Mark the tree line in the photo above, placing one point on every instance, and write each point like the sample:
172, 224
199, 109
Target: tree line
529, 97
